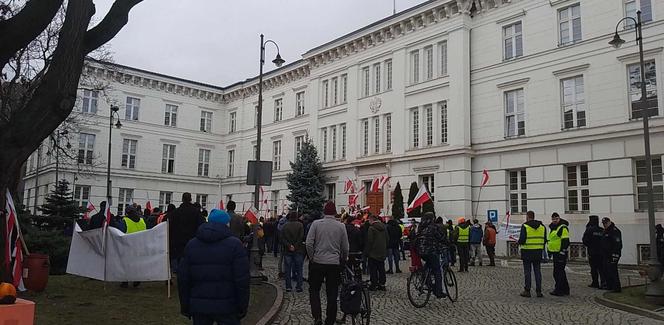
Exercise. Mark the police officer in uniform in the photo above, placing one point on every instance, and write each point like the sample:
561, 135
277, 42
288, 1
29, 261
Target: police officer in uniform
531, 240
557, 245
612, 248
592, 239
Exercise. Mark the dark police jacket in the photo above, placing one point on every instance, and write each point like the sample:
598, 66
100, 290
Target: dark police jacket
592, 238
612, 243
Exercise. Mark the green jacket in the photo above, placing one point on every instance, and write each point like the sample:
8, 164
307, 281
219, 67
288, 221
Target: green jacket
377, 238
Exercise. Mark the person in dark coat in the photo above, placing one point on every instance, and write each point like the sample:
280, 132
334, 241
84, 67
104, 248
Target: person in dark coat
270, 228
292, 241
558, 245
452, 238
612, 250
592, 239
430, 245
531, 241
97, 220
238, 225
659, 231
375, 250
213, 278
394, 233
183, 224
355, 244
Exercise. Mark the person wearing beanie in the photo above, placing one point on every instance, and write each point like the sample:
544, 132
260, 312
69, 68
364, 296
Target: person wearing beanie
213, 275
327, 247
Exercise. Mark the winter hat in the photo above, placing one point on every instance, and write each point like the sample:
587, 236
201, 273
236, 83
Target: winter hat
220, 216
330, 209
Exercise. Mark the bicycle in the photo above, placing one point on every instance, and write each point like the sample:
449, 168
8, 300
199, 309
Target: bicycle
354, 297
420, 283
449, 278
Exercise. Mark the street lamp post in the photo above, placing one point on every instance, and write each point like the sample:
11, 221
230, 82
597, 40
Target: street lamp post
113, 112
58, 134
654, 290
278, 61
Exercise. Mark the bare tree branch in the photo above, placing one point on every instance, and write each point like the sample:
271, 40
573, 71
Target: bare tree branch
115, 19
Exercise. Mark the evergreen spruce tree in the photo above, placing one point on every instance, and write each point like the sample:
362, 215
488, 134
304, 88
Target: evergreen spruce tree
60, 209
397, 206
306, 181
412, 192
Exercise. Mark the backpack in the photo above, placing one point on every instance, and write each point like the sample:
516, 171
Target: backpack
351, 298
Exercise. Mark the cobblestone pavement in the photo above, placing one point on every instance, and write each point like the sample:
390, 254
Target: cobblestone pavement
487, 295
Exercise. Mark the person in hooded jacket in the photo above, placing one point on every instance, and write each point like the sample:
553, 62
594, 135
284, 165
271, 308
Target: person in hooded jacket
430, 245
375, 250
489, 241
592, 239
612, 250
532, 240
558, 244
394, 234
213, 278
475, 240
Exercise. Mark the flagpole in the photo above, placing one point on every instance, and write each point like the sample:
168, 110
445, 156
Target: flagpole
477, 206
168, 257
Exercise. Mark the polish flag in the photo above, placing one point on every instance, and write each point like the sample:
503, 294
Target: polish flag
251, 215
366, 208
107, 213
485, 177
88, 209
349, 186
384, 180
421, 197
375, 184
263, 197
13, 244
352, 199
220, 205
148, 206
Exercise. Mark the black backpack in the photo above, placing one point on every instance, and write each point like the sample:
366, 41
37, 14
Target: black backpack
351, 298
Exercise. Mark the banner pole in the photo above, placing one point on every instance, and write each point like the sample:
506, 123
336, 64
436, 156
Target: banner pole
168, 257
477, 205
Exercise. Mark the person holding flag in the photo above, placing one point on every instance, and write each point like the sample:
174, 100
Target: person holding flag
98, 219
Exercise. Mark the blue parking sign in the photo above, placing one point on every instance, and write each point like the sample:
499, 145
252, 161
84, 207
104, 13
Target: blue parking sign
492, 215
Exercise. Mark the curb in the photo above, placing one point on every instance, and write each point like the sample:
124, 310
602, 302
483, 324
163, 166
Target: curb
272, 313
628, 308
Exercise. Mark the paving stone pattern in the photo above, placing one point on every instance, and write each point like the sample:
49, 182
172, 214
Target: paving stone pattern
487, 295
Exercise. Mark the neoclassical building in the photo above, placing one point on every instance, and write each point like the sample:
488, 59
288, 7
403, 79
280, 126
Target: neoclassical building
528, 90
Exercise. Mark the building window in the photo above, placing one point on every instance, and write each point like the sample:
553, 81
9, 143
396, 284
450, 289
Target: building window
330, 189
203, 162
415, 67
132, 107
428, 181
168, 159
343, 141
365, 137
376, 78
206, 121
278, 109
324, 143
81, 195
90, 98
231, 163
377, 134
202, 199
326, 93
634, 71
442, 106
642, 185
299, 103
428, 59
86, 148
388, 75
573, 100
365, 81
334, 143
578, 193
125, 199
299, 142
165, 199
232, 127
129, 153
388, 132
428, 116
632, 6
171, 115
512, 41
415, 122
335, 91
569, 22
515, 117
442, 56
276, 155
518, 191
344, 88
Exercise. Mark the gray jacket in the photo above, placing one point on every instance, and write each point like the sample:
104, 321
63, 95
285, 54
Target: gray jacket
327, 241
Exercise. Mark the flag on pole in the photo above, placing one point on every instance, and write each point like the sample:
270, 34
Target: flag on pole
349, 186
148, 206
252, 215
220, 205
13, 244
366, 208
88, 209
352, 199
485, 177
375, 184
384, 180
421, 197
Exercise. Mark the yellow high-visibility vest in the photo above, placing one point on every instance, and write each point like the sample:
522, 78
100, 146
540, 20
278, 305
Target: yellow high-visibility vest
464, 234
555, 242
133, 227
534, 238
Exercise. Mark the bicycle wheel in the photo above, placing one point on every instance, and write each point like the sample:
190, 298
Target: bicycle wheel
418, 288
451, 286
365, 314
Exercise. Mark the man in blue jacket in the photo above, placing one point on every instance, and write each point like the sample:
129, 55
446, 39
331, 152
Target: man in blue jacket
213, 277
475, 241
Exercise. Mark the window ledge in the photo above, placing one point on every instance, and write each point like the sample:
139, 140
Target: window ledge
577, 212
512, 137
563, 129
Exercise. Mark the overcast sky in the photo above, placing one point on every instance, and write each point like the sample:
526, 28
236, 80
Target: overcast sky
217, 41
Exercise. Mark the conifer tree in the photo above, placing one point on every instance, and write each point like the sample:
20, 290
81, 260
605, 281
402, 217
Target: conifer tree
397, 205
60, 209
306, 181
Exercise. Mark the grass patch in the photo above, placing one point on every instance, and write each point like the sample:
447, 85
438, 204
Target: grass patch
75, 300
633, 296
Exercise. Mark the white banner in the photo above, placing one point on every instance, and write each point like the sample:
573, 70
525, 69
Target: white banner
509, 231
141, 256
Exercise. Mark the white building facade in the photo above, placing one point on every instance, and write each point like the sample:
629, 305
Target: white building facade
528, 90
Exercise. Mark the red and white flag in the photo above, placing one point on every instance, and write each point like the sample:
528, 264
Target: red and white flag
352, 199
148, 206
349, 186
366, 208
384, 180
375, 184
88, 209
251, 215
13, 244
263, 197
220, 205
421, 197
485, 177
